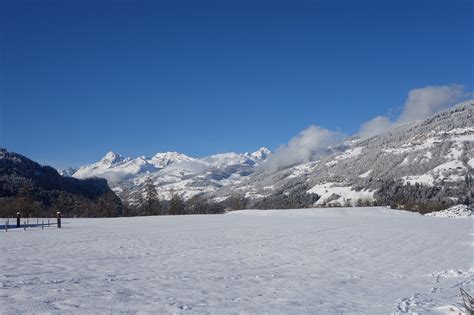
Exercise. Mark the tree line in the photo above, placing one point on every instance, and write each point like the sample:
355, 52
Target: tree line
150, 204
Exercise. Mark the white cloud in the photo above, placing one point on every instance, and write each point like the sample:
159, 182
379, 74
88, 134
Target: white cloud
302, 147
374, 127
424, 102
420, 103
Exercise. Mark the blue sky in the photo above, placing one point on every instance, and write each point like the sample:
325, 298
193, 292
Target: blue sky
79, 78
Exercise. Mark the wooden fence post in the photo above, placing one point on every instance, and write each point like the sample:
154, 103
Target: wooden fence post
24, 225
18, 216
6, 226
42, 224
59, 219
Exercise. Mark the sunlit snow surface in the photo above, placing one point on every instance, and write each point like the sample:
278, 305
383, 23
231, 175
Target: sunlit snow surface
354, 260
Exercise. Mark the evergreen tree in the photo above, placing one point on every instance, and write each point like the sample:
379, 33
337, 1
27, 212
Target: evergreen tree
176, 205
151, 204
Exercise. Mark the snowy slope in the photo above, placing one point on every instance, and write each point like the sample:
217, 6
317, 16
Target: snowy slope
311, 261
434, 153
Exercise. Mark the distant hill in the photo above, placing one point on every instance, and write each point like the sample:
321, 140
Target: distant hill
31, 188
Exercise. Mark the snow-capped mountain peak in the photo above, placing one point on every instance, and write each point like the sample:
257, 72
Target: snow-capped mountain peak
112, 158
260, 155
174, 170
163, 159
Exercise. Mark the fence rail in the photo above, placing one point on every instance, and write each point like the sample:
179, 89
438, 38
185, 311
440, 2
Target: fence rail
29, 223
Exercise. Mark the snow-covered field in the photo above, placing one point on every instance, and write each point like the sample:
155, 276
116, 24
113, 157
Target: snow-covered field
353, 260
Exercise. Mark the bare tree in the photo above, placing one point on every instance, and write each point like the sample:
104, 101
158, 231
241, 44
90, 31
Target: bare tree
468, 302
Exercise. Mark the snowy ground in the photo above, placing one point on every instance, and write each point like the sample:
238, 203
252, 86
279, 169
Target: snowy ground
366, 260
456, 212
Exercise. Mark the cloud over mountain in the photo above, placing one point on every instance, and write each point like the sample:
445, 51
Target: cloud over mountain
374, 127
429, 100
420, 104
302, 147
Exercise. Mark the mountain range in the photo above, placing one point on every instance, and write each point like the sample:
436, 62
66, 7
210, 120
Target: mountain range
429, 160
171, 172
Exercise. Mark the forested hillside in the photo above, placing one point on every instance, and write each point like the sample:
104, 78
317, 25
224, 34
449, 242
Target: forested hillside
32, 189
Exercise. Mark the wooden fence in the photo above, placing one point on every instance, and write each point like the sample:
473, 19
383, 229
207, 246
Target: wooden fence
30, 223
